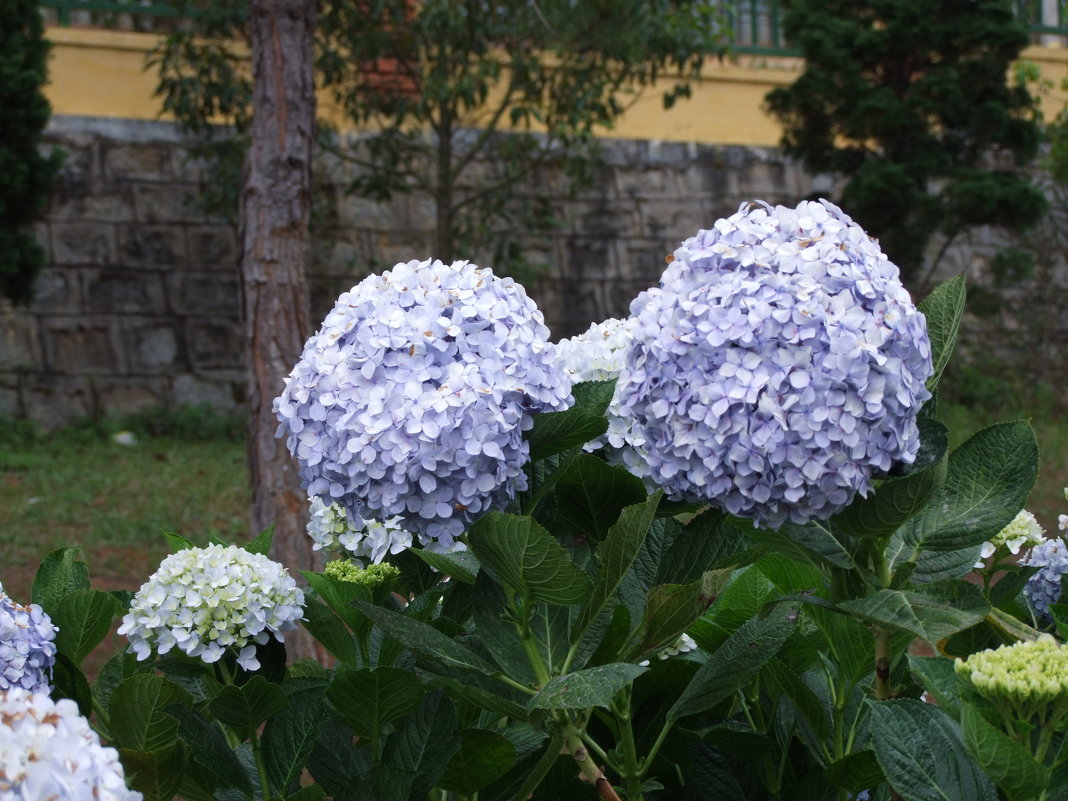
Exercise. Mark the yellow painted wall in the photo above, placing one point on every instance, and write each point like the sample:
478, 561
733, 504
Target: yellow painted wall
101, 74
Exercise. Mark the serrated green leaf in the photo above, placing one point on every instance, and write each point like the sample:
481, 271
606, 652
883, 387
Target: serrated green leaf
934, 614
615, 557
856, 772
60, 573
814, 543
897, 499
939, 678
244, 708
425, 639
208, 747
783, 681
340, 597
289, 737
176, 542
943, 309
483, 757
522, 555
591, 494
155, 774
460, 565
671, 608
368, 700
425, 741
138, 717
336, 762
496, 634
1007, 762
68, 681
556, 432
595, 686
736, 661
920, 751
593, 396
329, 630
988, 480
83, 618
311, 792
261, 544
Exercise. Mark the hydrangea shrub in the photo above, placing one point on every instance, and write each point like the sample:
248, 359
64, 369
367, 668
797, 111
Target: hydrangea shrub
780, 366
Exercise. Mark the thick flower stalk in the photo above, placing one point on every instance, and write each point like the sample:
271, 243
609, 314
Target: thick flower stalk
1044, 586
599, 354
27, 647
1023, 531
412, 398
207, 601
48, 751
780, 366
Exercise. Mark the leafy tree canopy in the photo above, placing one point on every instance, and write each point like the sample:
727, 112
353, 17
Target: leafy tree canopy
910, 100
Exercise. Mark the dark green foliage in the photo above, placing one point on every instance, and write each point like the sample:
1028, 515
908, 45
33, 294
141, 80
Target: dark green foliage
455, 101
909, 99
26, 176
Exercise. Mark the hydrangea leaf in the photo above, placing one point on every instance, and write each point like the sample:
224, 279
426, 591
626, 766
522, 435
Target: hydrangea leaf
593, 396
556, 432
939, 678
674, 553
896, 500
497, 634
671, 608
525, 557
424, 742
460, 565
784, 681
595, 686
713, 773
1007, 762
425, 639
934, 614
943, 309
369, 699
340, 595
856, 772
138, 717
83, 618
261, 544
177, 542
208, 748
335, 762
615, 557
68, 681
246, 707
484, 757
155, 774
920, 750
591, 494
734, 663
289, 737
60, 573
814, 543
328, 629
988, 480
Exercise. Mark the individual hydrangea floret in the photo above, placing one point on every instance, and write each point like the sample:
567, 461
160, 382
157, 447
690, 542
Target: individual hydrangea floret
1044, 586
207, 601
412, 398
599, 354
1023, 531
780, 366
370, 576
27, 647
48, 751
682, 645
1028, 675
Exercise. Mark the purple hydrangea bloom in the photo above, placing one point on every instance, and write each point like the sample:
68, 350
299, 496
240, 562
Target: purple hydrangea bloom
779, 366
1044, 586
27, 650
412, 399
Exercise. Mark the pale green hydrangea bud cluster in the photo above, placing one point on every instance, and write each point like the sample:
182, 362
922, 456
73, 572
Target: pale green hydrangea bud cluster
48, 751
370, 577
206, 601
1023, 532
1029, 679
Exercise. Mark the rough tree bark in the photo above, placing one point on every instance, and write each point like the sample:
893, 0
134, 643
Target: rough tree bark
275, 207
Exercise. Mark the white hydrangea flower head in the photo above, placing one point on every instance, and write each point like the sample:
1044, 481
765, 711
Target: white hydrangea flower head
1044, 586
780, 366
48, 751
207, 601
412, 398
27, 647
331, 531
1023, 531
599, 354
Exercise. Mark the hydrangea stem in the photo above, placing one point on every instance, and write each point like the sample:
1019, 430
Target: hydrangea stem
631, 768
589, 769
882, 664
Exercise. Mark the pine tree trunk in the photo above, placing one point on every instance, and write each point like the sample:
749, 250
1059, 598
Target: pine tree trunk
275, 207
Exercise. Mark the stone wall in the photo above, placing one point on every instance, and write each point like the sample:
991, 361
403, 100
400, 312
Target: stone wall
138, 305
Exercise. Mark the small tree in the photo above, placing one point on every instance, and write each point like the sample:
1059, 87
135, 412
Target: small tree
910, 100
26, 176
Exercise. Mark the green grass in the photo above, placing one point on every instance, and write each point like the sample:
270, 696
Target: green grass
78, 486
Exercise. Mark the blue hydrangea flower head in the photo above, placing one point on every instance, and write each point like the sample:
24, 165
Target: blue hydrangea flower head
411, 400
27, 647
778, 367
1044, 586
49, 751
